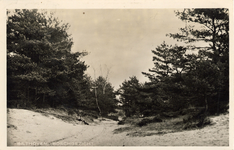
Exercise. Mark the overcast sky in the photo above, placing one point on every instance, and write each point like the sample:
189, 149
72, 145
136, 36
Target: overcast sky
119, 39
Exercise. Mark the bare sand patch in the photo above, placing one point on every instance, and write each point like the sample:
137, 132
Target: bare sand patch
28, 128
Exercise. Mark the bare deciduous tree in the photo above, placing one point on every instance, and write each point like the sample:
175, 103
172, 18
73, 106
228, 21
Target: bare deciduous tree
95, 89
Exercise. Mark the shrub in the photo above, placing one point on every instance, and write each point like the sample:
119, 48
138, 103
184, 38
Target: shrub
113, 118
147, 113
121, 122
156, 119
196, 121
71, 112
144, 122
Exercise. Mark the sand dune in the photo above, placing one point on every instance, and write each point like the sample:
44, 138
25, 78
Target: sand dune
28, 128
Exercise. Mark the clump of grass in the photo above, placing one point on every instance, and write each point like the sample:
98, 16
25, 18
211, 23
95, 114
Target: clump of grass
73, 116
115, 118
154, 126
121, 122
149, 126
147, 121
200, 121
143, 134
197, 118
170, 114
11, 126
123, 129
130, 121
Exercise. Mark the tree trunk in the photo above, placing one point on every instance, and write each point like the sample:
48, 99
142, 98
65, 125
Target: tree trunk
206, 104
35, 96
28, 99
43, 100
218, 103
100, 112
104, 89
53, 103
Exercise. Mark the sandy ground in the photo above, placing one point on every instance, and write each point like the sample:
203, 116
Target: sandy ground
27, 128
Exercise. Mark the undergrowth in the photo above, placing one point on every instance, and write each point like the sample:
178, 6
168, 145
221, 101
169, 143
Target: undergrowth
68, 115
155, 126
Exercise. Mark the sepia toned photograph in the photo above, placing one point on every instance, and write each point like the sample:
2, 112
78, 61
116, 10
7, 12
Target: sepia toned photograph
117, 77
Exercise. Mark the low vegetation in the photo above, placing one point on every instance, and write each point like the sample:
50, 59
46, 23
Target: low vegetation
71, 115
163, 124
144, 122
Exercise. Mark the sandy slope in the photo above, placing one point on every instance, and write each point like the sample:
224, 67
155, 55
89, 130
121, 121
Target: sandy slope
33, 129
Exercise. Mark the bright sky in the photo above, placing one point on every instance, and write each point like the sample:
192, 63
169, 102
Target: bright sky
119, 39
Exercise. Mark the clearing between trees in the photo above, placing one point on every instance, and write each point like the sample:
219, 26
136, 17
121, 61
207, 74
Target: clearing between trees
187, 85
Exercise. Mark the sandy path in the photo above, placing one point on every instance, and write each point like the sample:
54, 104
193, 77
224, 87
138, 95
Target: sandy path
216, 135
33, 128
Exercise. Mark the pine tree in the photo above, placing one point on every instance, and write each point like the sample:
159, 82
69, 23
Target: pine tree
213, 29
195, 75
40, 65
130, 96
